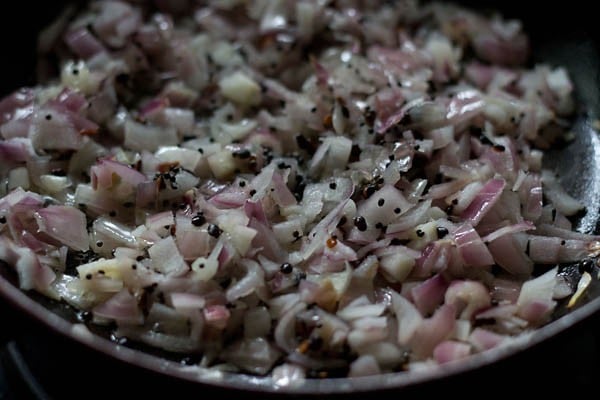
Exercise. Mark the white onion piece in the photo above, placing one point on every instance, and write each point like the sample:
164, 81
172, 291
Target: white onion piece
240, 88
365, 365
204, 268
548, 250
253, 279
54, 133
535, 299
97, 203
166, 257
18, 177
467, 297
187, 301
563, 288
187, 158
398, 265
387, 354
332, 155
472, 249
465, 196
558, 196
412, 218
143, 137
112, 268
288, 375
118, 233
351, 312
235, 132
54, 184
254, 355
408, 317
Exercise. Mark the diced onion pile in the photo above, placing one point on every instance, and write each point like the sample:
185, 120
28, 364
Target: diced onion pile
293, 188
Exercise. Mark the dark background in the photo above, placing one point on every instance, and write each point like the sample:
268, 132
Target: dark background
36, 362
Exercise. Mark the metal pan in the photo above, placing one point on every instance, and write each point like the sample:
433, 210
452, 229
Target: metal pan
564, 37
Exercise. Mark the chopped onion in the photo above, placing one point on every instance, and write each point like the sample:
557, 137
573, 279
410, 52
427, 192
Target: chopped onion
185, 172
65, 224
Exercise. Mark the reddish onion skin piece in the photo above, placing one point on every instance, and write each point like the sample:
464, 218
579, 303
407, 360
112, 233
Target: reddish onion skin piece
436, 257
432, 331
484, 201
510, 255
483, 339
429, 294
65, 224
508, 230
536, 312
71, 100
122, 308
472, 249
216, 316
464, 106
16, 150
498, 51
109, 173
83, 43
229, 199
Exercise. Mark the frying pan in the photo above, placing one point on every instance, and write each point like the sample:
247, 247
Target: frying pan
560, 36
